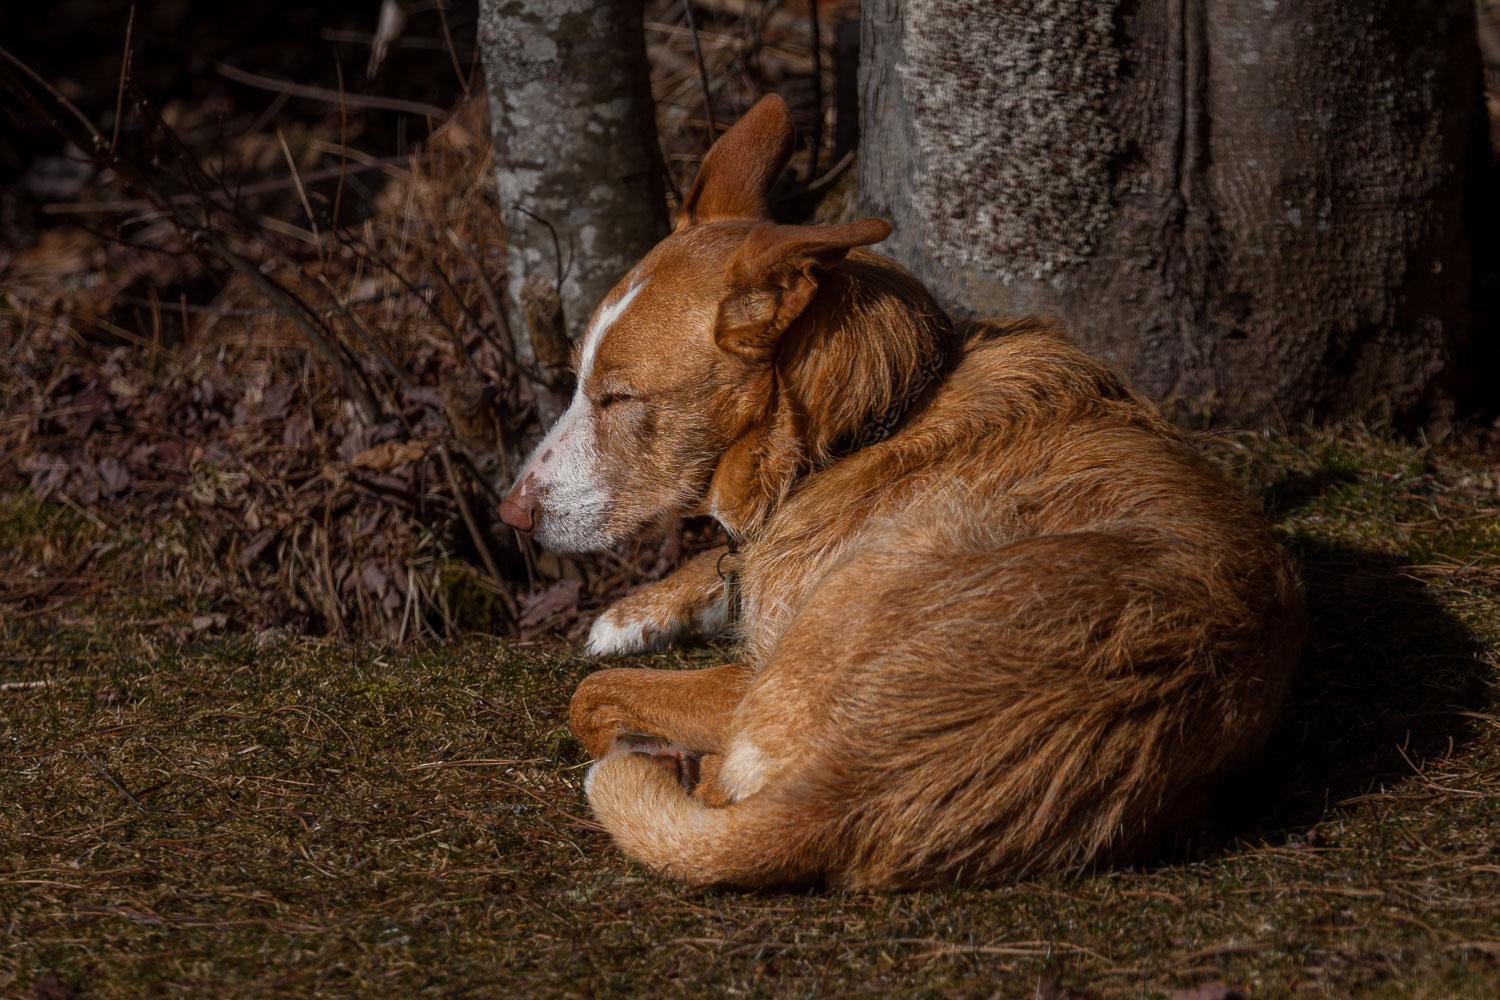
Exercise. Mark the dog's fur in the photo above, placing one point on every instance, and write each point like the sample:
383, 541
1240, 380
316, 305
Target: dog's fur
1025, 631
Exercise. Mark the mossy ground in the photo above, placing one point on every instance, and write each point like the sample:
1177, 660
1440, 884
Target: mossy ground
187, 813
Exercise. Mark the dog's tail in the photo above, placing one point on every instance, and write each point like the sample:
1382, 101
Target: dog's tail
770, 838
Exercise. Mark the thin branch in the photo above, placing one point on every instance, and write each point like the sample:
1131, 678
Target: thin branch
113, 781
189, 198
301, 191
338, 191
463, 81
205, 234
708, 104
481, 542
56, 95
817, 82
556, 245
331, 96
114, 141
491, 298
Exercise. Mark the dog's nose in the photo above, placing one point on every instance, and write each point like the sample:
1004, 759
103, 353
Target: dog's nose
518, 509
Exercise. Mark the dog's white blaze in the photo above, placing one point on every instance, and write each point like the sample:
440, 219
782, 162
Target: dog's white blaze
565, 465
605, 318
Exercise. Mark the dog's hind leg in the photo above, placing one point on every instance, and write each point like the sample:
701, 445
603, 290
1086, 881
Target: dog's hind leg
689, 708
688, 602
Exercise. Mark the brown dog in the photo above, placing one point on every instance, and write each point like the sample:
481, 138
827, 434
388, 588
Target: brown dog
997, 618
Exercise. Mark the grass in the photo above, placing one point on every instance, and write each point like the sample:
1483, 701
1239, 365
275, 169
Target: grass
191, 813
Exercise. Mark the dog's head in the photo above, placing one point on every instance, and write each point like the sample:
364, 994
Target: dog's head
677, 377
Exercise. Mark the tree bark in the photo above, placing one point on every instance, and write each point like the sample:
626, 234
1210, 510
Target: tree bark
575, 149
1253, 207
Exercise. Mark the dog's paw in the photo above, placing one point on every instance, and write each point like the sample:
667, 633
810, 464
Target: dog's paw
616, 632
673, 758
644, 623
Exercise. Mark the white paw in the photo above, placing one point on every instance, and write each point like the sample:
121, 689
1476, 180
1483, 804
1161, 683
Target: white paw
613, 634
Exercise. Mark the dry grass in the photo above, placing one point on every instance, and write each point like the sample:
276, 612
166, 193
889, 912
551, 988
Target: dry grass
233, 815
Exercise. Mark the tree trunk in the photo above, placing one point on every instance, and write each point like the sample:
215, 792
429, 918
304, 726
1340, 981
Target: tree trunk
575, 149
1253, 207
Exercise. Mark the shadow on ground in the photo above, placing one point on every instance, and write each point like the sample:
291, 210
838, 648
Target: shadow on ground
1387, 684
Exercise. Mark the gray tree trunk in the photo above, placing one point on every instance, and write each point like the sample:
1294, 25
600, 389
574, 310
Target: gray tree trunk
1254, 207
575, 146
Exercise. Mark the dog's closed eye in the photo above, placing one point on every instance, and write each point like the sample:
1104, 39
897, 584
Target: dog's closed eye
612, 398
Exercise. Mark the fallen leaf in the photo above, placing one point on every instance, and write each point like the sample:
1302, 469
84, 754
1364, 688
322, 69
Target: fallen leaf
113, 475
217, 620
561, 596
273, 404
374, 577
295, 432
257, 545
384, 457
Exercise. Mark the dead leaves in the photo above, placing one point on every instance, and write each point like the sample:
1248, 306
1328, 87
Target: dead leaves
385, 457
561, 596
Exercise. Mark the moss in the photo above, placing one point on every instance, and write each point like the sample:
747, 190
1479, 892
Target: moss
1464, 542
470, 605
26, 520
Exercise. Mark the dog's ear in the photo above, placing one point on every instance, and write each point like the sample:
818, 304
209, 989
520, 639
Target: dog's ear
774, 275
740, 169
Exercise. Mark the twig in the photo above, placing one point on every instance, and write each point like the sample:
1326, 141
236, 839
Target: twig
463, 81
297, 181
562, 272
299, 312
708, 104
458, 299
111, 779
481, 542
491, 296
28, 685
331, 96
817, 82
833, 173
114, 141
189, 198
56, 95
338, 191
436, 313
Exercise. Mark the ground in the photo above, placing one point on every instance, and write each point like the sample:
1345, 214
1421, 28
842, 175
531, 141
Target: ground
189, 811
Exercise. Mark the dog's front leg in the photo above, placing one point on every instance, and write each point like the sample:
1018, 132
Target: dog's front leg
688, 602
643, 710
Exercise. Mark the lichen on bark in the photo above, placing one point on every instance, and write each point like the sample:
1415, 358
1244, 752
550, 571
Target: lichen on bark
1031, 79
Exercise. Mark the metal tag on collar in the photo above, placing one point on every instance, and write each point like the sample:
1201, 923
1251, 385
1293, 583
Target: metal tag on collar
731, 578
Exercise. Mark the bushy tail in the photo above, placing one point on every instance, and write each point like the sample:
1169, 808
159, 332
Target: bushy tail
767, 839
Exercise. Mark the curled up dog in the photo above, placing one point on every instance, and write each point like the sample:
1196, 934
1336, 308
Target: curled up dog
996, 618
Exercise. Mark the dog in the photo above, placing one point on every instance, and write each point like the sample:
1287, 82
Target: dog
996, 617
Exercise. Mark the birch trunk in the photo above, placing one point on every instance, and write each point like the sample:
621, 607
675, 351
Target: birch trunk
1256, 208
575, 147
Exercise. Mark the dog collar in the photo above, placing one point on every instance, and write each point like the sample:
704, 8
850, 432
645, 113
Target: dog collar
883, 426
